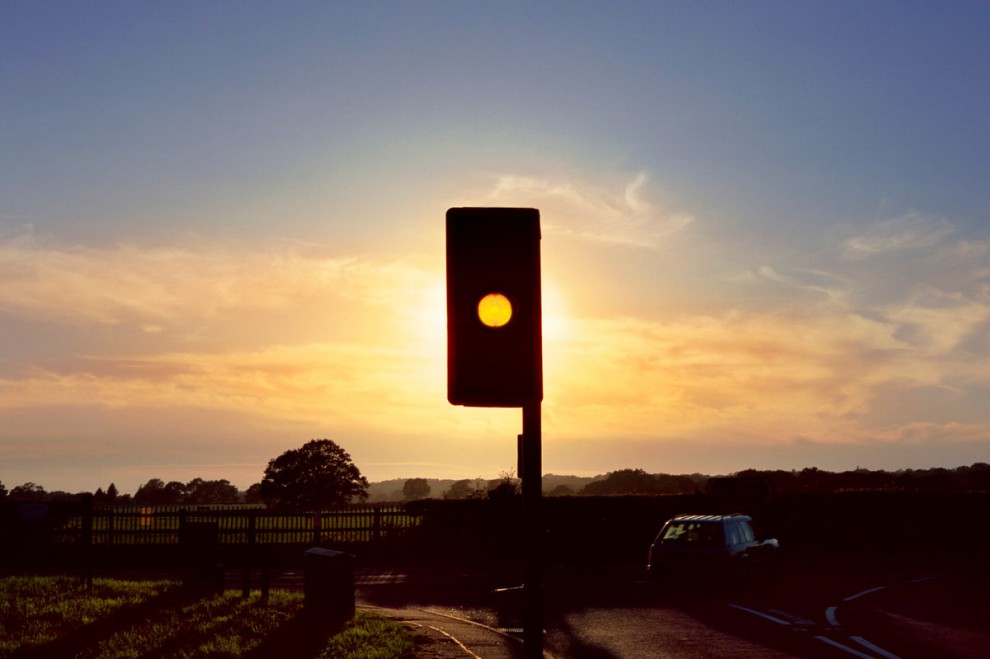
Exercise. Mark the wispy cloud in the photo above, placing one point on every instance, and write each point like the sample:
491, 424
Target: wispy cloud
850, 355
820, 282
156, 285
180, 290
622, 214
842, 353
911, 231
833, 377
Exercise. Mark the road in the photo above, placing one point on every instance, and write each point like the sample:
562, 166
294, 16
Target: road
818, 607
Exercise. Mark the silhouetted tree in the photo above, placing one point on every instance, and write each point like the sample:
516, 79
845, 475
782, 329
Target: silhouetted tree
219, 491
320, 474
978, 477
253, 494
28, 492
465, 489
416, 488
175, 492
506, 485
153, 493
3, 490
624, 481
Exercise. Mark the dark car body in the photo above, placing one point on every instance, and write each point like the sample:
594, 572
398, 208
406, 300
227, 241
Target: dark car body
708, 545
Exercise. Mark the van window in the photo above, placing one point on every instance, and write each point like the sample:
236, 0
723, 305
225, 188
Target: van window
697, 533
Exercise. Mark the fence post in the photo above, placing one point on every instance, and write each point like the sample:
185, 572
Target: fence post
249, 555
317, 527
376, 524
110, 528
86, 549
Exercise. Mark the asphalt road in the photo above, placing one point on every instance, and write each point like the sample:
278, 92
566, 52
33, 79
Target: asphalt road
856, 606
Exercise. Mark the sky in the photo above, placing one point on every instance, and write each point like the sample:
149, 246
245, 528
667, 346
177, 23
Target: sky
766, 233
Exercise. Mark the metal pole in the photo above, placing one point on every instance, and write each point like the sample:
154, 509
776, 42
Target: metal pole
532, 494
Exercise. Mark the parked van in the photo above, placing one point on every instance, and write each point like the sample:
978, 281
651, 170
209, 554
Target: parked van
708, 545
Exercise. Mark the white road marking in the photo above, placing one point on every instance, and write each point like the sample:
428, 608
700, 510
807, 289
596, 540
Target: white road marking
874, 648
836, 644
794, 619
832, 620
454, 639
830, 616
769, 617
865, 592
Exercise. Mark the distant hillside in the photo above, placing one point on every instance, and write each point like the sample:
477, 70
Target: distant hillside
974, 478
391, 490
557, 485
553, 485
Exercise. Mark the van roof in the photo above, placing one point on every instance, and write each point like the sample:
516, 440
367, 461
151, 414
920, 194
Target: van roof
710, 518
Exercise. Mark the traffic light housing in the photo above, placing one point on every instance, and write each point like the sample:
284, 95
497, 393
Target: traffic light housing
494, 316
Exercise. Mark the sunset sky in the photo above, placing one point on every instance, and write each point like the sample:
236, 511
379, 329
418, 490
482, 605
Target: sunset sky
766, 233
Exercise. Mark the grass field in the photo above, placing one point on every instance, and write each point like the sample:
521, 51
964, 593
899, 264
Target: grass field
56, 617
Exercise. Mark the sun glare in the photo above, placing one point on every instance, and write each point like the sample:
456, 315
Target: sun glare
554, 313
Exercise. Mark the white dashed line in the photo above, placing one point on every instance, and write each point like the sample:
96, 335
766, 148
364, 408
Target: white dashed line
865, 592
769, 617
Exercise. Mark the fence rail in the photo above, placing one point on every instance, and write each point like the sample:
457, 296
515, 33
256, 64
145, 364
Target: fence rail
245, 525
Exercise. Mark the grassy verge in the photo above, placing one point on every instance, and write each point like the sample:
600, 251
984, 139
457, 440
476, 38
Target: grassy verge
55, 616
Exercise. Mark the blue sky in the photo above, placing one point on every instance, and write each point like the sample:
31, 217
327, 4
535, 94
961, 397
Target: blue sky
766, 233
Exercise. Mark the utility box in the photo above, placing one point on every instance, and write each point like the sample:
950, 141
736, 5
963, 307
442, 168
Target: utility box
202, 571
329, 584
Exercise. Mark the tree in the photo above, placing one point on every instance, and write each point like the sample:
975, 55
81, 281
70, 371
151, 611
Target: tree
112, 492
318, 475
220, 491
175, 492
624, 481
465, 489
416, 488
3, 490
157, 493
28, 492
253, 494
505, 486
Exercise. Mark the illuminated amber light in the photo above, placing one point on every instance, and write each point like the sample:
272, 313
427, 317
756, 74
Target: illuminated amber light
495, 310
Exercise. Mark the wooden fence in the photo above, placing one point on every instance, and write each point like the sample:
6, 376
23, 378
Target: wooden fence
353, 524
234, 525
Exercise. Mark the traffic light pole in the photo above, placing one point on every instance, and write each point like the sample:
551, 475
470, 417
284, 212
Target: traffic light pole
495, 355
532, 494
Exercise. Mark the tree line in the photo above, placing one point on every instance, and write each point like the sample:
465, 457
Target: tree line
321, 474
974, 478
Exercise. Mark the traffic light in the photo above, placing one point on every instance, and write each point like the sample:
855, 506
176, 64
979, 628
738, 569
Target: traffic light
494, 318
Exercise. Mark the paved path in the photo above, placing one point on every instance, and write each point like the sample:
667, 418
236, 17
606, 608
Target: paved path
446, 637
